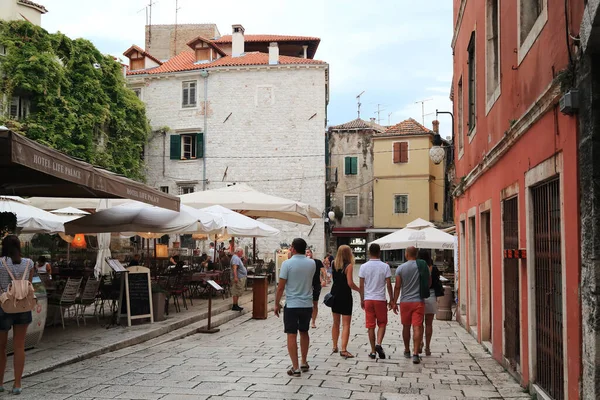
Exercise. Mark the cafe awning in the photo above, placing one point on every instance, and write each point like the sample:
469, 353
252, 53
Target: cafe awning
30, 169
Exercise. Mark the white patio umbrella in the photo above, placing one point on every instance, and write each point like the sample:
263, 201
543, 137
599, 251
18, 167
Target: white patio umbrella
102, 267
252, 203
65, 215
140, 217
426, 238
30, 219
419, 223
237, 224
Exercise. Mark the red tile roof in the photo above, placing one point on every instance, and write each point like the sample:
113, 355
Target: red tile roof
408, 127
186, 61
192, 42
36, 5
269, 38
143, 52
358, 124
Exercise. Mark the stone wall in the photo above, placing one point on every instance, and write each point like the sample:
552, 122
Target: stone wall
163, 42
265, 128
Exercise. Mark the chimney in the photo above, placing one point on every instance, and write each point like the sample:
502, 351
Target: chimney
372, 120
305, 47
436, 126
237, 40
273, 53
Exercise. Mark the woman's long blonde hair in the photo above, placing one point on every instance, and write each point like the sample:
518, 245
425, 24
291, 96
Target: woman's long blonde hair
343, 257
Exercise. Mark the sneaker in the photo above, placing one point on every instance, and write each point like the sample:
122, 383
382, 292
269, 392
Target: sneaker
380, 351
407, 354
416, 359
236, 308
372, 356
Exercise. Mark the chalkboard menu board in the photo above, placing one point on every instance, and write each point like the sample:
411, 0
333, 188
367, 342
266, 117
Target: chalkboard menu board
136, 297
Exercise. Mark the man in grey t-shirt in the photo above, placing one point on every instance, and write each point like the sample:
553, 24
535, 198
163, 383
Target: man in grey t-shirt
412, 307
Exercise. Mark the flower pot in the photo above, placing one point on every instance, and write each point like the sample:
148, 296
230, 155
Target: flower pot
158, 306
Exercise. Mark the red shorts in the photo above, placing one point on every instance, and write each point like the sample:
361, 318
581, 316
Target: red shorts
376, 312
412, 313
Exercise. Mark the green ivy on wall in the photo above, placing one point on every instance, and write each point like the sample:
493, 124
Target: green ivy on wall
79, 103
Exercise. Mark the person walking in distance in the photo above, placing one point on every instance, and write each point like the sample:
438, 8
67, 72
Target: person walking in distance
296, 278
375, 276
320, 279
412, 307
238, 275
11, 258
436, 290
343, 285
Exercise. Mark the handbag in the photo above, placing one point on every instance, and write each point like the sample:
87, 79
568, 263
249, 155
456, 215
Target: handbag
20, 294
328, 300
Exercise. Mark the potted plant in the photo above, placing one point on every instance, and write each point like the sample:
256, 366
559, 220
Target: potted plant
159, 301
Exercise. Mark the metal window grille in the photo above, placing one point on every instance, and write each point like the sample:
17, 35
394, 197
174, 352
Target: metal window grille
512, 327
401, 204
548, 288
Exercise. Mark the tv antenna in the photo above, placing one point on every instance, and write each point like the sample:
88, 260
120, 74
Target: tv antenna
378, 112
423, 108
359, 103
177, 8
148, 10
390, 118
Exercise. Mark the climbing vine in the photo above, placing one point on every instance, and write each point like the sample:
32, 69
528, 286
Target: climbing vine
78, 101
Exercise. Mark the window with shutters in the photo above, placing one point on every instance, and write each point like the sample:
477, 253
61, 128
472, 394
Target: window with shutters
351, 166
472, 83
401, 204
188, 146
400, 152
532, 17
461, 116
492, 52
189, 94
351, 204
19, 108
186, 189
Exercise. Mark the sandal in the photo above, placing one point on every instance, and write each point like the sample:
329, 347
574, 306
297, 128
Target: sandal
346, 354
292, 372
427, 351
305, 367
372, 356
17, 391
313, 326
334, 350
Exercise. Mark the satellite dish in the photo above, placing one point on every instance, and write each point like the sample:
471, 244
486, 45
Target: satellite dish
97, 66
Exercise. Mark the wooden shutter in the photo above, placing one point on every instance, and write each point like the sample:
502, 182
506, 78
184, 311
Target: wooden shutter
348, 166
397, 152
200, 145
175, 147
403, 152
354, 165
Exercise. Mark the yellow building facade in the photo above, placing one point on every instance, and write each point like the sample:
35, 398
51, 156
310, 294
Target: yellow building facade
407, 185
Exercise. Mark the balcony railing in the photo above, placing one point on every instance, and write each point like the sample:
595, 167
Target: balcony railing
332, 175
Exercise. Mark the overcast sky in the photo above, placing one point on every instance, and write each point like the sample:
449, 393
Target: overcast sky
397, 51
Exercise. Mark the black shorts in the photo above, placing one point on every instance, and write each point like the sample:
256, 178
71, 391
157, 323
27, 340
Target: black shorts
296, 319
7, 320
316, 295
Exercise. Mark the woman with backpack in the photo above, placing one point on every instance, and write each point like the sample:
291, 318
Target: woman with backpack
13, 264
343, 285
435, 290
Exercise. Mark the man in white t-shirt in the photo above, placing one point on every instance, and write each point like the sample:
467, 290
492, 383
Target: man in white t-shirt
374, 276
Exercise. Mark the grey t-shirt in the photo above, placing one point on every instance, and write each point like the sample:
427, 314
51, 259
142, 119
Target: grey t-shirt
241, 270
409, 273
17, 270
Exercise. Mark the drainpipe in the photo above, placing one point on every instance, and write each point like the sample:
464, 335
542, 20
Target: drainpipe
204, 74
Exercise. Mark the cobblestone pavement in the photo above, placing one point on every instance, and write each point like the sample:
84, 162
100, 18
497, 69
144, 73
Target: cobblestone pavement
248, 359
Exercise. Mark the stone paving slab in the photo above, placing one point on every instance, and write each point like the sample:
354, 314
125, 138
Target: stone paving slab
247, 359
60, 347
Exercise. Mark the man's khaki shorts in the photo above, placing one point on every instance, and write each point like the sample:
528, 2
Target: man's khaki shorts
237, 289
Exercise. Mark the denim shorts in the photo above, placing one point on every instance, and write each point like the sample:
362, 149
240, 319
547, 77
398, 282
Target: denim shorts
8, 320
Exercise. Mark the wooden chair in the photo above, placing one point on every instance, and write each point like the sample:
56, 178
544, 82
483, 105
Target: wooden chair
88, 297
67, 299
175, 290
225, 282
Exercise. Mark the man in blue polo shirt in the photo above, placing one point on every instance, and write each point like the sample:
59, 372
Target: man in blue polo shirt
296, 278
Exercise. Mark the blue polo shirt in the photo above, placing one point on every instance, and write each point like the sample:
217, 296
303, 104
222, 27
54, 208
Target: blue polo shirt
298, 272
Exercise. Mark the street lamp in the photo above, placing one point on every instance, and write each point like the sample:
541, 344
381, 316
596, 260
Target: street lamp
331, 215
437, 153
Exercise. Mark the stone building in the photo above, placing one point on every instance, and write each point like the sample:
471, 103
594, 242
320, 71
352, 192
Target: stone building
18, 10
252, 117
350, 184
